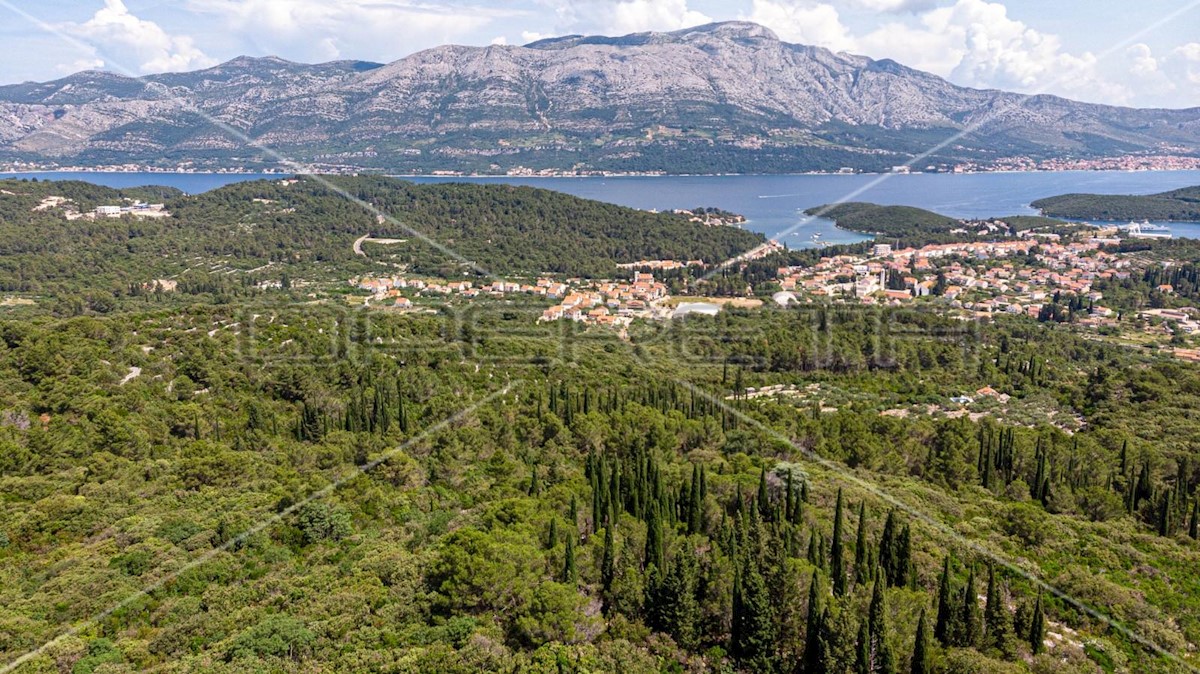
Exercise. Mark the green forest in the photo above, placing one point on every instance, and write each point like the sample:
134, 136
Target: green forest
1182, 204
263, 229
910, 226
243, 478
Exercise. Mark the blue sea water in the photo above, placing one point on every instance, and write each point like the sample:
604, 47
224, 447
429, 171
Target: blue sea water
775, 204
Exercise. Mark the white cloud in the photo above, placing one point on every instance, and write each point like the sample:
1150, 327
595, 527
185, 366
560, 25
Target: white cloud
621, 17
129, 42
529, 36
363, 29
80, 65
635, 16
890, 5
1188, 67
804, 22
971, 42
1142, 61
1190, 51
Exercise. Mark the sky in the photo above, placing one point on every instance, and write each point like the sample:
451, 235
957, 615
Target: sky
1144, 53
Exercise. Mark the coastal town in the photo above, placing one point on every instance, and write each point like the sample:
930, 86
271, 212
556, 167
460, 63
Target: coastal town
1036, 274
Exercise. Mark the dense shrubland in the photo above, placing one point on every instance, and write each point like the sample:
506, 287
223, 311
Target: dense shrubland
606, 506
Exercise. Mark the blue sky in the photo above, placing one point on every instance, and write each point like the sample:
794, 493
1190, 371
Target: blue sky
1144, 53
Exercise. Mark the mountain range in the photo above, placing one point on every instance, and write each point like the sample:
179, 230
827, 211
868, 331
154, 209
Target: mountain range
726, 97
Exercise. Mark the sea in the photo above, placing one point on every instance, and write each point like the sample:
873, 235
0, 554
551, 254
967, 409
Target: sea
774, 205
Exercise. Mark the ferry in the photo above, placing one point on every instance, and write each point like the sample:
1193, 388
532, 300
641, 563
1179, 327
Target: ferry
1146, 230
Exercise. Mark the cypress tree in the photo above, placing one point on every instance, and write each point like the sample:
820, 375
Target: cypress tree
570, 574
753, 629
789, 500
887, 544
814, 551
535, 485
837, 554
945, 627
1194, 522
1166, 525
813, 627
882, 660
552, 537
922, 658
676, 609
608, 561
1037, 628
904, 574
972, 621
1144, 489
655, 543
764, 501
862, 655
574, 513
694, 502
996, 619
861, 571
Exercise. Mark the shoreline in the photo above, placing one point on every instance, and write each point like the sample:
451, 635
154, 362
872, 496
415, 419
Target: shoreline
558, 176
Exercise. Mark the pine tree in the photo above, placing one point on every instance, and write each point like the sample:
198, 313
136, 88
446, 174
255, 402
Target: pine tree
946, 626
972, 621
996, 619
570, 574
1037, 628
922, 658
836, 557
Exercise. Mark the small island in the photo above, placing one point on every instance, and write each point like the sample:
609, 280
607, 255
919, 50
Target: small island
917, 226
1177, 205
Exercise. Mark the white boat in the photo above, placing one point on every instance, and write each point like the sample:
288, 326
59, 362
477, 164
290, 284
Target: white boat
1146, 230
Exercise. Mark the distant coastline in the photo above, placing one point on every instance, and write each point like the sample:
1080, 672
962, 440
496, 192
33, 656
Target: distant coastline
1134, 163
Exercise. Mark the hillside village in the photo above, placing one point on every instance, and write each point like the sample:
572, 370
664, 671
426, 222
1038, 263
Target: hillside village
981, 277
608, 303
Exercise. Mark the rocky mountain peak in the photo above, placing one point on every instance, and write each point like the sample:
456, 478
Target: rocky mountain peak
731, 30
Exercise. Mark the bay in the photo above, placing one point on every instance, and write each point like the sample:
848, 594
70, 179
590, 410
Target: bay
774, 204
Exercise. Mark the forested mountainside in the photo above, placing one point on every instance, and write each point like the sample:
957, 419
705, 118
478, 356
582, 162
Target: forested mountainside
1182, 204
281, 225
728, 97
